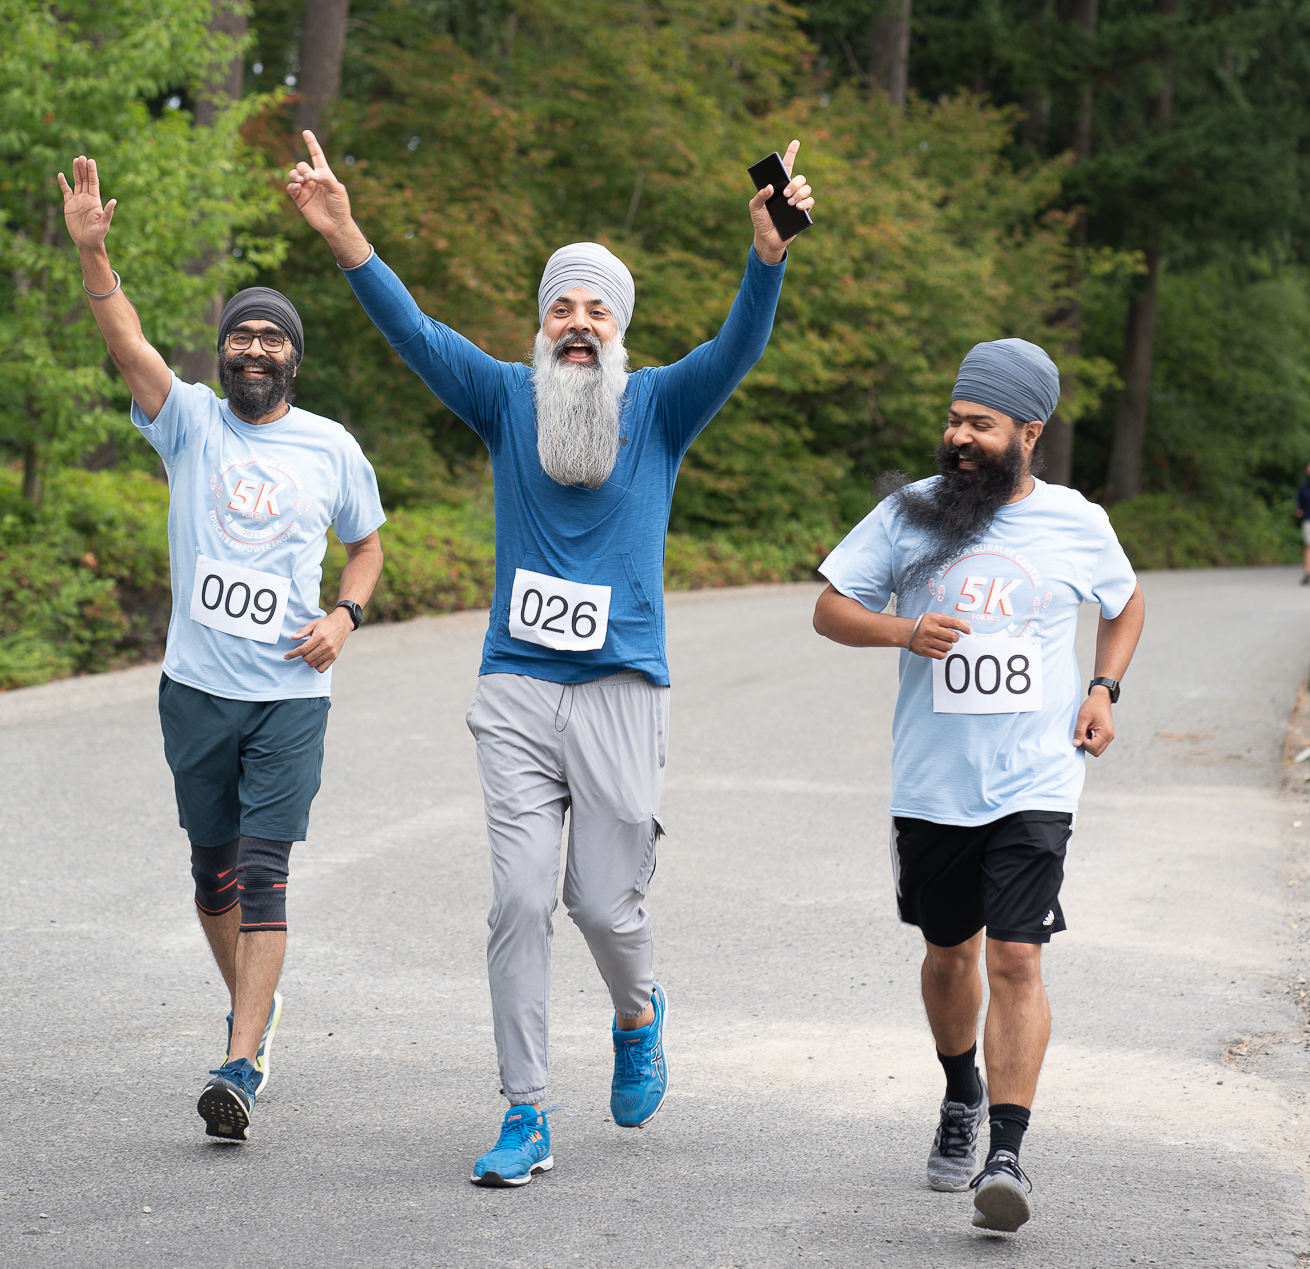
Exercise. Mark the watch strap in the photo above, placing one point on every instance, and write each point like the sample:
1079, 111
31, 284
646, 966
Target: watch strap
1111, 685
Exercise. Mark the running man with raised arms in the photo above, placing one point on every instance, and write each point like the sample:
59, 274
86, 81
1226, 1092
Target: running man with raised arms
253, 485
989, 567
571, 712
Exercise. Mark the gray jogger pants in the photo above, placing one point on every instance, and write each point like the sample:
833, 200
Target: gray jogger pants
543, 748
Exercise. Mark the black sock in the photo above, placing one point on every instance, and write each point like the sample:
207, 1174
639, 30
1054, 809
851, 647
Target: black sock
1009, 1123
961, 1077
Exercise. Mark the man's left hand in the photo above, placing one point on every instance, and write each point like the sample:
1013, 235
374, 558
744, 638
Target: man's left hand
1095, 727
324, 638
769, 245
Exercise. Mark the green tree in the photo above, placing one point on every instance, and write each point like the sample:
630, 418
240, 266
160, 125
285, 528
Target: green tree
93, 78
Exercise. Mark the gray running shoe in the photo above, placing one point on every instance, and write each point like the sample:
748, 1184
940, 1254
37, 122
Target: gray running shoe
1000, 1194
954, 1156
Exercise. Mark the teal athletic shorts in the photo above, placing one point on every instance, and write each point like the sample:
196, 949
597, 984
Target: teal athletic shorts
242, 768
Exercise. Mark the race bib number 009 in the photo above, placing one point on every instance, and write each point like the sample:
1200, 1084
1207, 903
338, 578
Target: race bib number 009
566, 616
239, 601
989, 674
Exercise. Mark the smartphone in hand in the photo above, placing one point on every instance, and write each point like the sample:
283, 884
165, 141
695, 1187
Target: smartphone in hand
787, 220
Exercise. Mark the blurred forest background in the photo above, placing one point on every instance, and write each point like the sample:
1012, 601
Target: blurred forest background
1122, 181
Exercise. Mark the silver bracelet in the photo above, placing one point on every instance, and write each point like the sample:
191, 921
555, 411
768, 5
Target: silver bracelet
117, 283
372, 251
914, 630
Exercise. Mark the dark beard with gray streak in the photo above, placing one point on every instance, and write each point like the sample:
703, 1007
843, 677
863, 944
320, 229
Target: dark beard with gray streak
253, 398
957, 510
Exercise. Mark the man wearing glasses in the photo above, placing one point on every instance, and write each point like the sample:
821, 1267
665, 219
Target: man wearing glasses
254, 484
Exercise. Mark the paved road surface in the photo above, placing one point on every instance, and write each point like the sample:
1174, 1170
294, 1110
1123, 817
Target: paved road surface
1171, 1121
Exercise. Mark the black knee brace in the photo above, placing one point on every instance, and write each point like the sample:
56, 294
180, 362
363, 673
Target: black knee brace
215, 871
262, 881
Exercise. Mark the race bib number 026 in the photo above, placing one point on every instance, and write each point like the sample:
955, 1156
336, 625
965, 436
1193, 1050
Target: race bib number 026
989, 674
566, 616
239, 601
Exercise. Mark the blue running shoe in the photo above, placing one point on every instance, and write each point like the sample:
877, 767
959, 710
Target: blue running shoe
523, 1149
641, 1075
265, 1041
228, 1099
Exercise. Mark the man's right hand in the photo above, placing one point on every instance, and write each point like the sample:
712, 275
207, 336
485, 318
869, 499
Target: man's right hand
324, 203
87, 221
936, 635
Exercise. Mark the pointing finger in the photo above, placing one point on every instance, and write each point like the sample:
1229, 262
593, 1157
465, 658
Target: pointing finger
92, 179
315, 150
790, 157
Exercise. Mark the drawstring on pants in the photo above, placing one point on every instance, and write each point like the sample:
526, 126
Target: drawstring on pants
567, 689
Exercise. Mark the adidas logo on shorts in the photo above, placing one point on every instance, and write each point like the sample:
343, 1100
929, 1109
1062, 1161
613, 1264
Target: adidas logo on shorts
1049, 918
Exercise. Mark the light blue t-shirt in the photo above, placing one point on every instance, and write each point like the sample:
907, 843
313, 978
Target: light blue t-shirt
257, 497
1042, 558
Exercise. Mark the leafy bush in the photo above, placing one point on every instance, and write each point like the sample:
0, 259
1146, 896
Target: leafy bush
1162, 530
83, 576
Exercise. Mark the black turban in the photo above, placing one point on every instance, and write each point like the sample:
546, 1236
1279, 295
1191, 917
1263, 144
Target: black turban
262, 303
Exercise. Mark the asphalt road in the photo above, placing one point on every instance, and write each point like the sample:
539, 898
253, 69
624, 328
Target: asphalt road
1170, 1126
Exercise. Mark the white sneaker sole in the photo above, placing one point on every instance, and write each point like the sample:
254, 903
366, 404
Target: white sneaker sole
266, 1041
497, 1182
1001, 1206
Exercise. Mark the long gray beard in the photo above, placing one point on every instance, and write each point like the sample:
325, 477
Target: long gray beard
578, 412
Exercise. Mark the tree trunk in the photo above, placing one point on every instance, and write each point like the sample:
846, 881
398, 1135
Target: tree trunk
31, 482
1082, 14
1124, 477
322, 43
889, 49
201, 364
1124, 480
1037, 100
1057, 439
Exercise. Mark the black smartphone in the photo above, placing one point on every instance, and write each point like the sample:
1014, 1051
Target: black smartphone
787, 220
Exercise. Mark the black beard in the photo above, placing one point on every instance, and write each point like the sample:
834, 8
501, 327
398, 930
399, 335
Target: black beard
956, 512
256, 397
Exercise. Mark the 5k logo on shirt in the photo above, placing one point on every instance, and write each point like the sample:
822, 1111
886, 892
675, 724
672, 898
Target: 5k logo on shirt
256, 505
994, 589
999, 595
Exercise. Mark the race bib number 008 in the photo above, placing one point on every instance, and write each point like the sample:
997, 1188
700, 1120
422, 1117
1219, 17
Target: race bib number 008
239, 601
566, 616
989, 674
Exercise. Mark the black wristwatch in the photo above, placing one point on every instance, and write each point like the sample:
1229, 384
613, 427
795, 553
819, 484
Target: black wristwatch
1111, 685
357, 616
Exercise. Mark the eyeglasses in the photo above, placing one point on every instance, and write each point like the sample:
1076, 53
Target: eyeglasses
239, 341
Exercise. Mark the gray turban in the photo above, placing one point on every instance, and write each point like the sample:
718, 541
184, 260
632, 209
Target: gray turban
589, 265
1010, 375
263, 304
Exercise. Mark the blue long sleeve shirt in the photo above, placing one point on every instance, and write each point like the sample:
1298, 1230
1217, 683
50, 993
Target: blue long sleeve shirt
612, 536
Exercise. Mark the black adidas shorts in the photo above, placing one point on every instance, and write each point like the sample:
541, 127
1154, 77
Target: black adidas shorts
1006, 875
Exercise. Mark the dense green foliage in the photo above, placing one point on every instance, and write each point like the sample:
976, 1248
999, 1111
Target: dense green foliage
81, 79
477, 137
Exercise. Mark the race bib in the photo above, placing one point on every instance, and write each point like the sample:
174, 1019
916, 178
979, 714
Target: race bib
989, 674
566, 616
239, 601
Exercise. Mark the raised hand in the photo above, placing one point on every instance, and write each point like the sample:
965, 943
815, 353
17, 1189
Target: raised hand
769, 245
322, 198
87, 221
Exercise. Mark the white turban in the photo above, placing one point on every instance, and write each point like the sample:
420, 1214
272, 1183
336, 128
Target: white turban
598, 270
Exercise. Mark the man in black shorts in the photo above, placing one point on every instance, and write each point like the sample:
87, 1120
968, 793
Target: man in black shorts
989, 567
